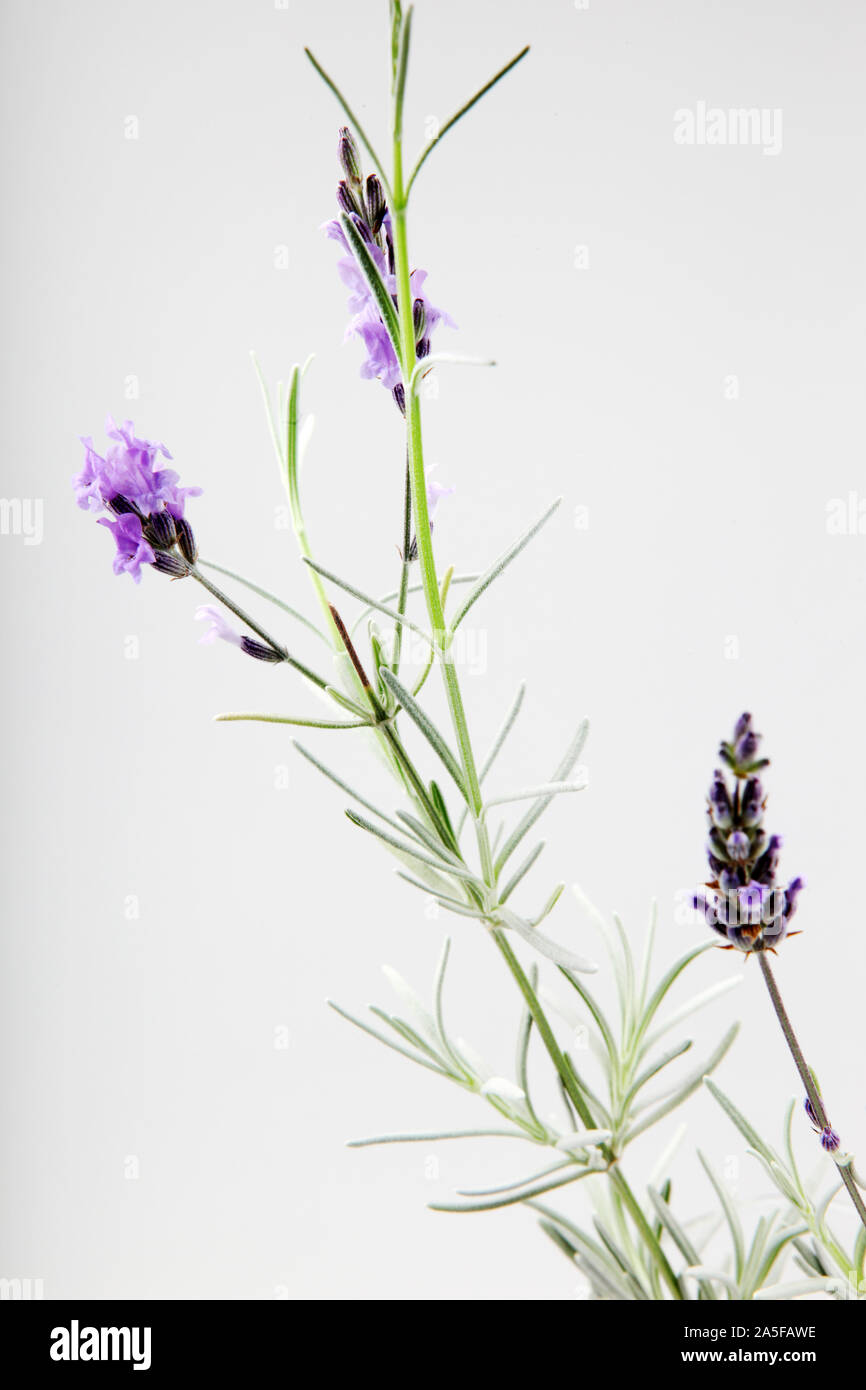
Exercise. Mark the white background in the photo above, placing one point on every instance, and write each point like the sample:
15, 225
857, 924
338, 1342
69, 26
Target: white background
158, 259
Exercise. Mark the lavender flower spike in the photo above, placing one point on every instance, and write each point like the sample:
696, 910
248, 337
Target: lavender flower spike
365, 204
142, 501
743, 902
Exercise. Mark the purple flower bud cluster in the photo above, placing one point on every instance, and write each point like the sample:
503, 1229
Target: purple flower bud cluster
364, 202
144, 503
743, 902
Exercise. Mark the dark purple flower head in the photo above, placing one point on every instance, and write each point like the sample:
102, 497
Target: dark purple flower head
366, 205
143, 502
743, 901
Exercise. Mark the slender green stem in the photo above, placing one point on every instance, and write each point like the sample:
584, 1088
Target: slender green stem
403, 591
578, 1100
426, 558
807, 1078
256, 628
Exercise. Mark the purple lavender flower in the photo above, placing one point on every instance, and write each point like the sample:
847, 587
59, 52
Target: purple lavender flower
144, 502
365, 204
219, 627
743, 902
133, 550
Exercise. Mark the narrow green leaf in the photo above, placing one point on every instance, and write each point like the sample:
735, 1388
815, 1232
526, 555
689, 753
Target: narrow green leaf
499, 565
265, 594
599, 1019
357, 128
510, 1200
684, 1090
505, 893
731, 1216
649, 1072
426, 726
560, 955
664, 986
749, 1134
467, 106
365, 598
549, 789
404, 847
291, 719
344, 786
380, 1037
537, 809
521, 1182
435, 1136
678, 1236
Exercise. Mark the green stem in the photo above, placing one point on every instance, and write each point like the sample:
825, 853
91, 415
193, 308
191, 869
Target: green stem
807, 1078
579, 1102
403, 592
427, 563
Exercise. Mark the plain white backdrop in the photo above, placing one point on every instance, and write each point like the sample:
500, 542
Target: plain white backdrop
679, 332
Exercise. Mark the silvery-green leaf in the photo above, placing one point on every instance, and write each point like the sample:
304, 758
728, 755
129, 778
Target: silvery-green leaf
519, 874
731, 1216
435, 1136
441, 892
561, 773
500, 564
562, 957
458, 115
701, 1273
627, 1269
550, 789
352, 118
749, 1134
502, 735
503, 1088
649, 1072
803, 1288
588, 1138
663, 1161
423, 1021
520, 1182
265, 594
380, 1037
404, 849
698, 1001
509, 1199
685, 1089
678, 1236
598, 1017
426, 726
664, 985
372, 603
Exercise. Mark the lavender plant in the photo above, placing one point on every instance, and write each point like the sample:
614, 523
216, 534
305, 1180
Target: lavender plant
473, 851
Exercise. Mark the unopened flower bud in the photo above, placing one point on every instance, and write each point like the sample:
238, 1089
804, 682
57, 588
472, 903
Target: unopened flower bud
830, 1140
121, 506
347, 200
167, 563
260, 650
720, 804
752, 802
347, 153
159, 530
376, 205
186, 540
